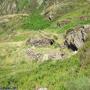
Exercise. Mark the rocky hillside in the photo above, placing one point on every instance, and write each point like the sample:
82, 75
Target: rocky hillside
17, 6
45, 44
54, 8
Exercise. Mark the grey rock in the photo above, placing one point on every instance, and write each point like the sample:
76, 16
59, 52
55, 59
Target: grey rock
34, 55
75, 39
40, 42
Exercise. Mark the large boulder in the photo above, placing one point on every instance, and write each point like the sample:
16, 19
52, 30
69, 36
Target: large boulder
75, 38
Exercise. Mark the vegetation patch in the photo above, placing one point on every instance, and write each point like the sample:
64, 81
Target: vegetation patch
36, 22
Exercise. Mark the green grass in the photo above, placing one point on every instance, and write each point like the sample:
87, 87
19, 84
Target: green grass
74, 24
20, 37
17, 70
74, 19
55, 75
22, 3
84, 54
36, 22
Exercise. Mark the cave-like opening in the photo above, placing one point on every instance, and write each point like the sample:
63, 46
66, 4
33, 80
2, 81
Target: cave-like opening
73, 47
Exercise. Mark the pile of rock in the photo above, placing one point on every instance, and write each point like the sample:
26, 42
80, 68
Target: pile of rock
34, 55
40, 42
53, 55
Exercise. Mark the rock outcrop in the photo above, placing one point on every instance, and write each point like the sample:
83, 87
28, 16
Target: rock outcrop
75, 38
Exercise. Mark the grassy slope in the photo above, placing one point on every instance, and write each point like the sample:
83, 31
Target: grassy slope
55, 75
74, 19
16, 70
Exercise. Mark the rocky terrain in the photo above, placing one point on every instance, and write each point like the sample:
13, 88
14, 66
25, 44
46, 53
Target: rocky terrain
74, 40
45, 44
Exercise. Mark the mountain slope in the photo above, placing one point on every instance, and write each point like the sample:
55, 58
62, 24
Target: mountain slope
27, 31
